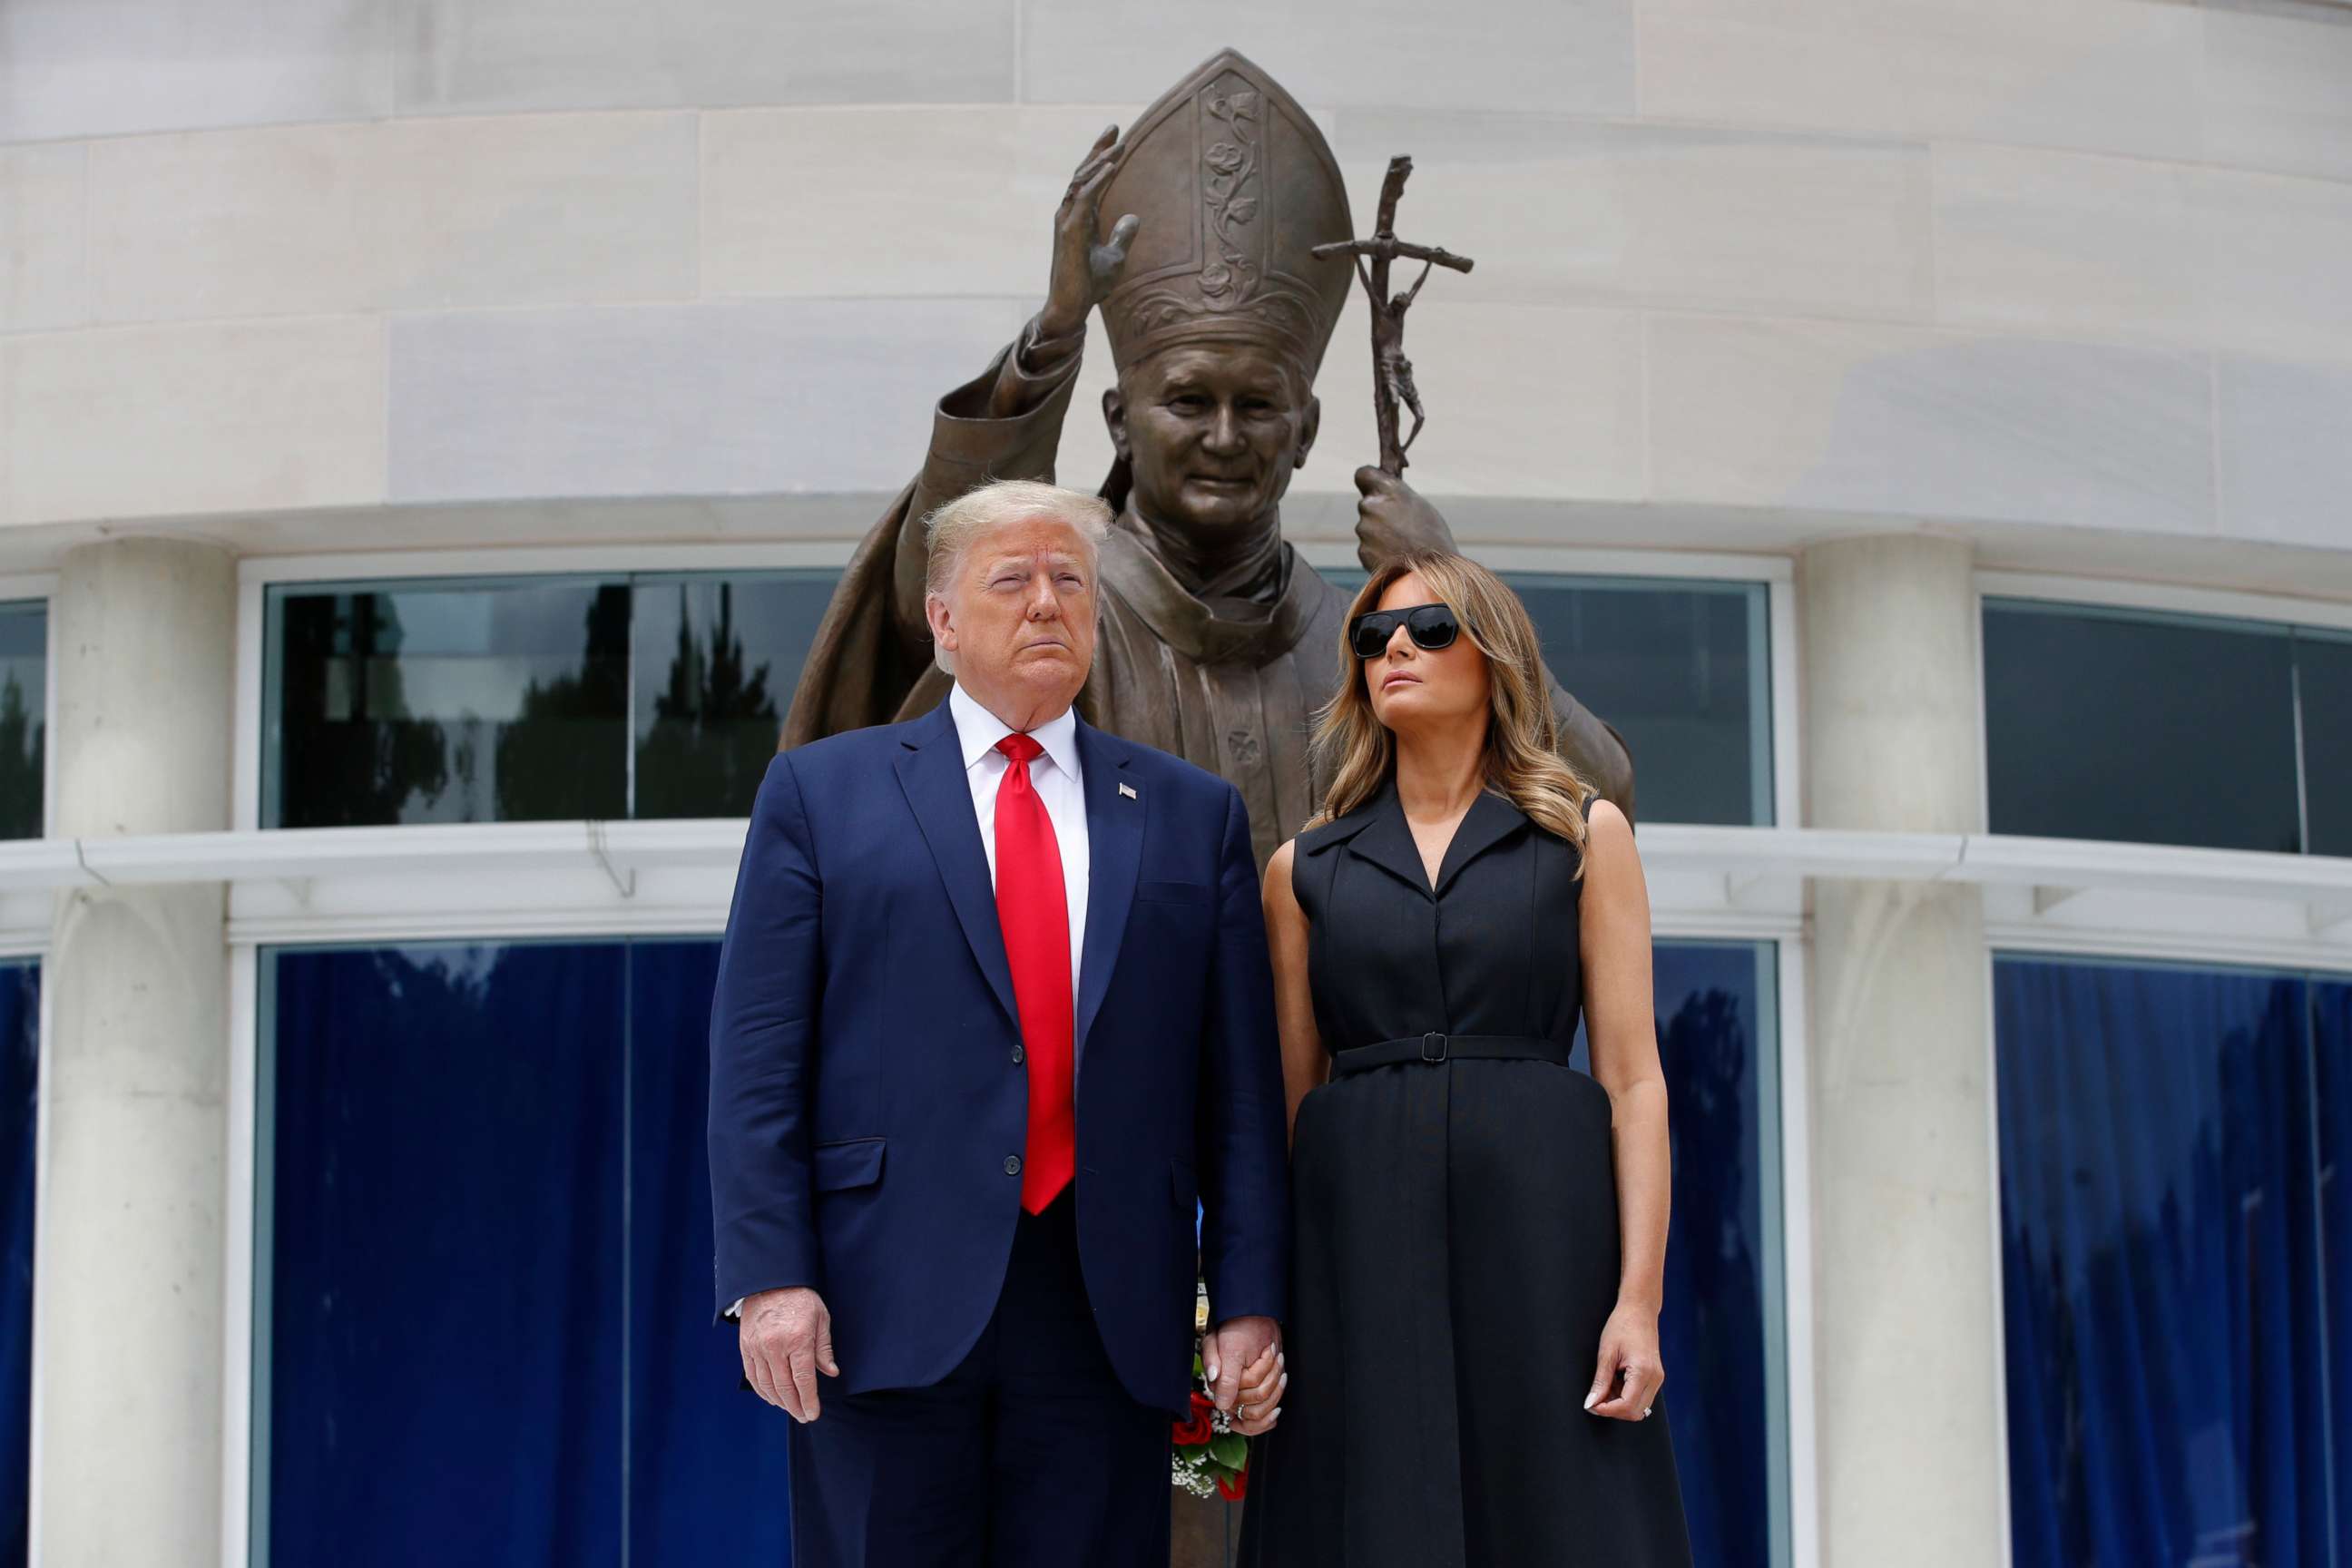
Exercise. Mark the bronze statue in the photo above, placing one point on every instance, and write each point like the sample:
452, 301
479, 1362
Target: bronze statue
1391, 371
1217, 643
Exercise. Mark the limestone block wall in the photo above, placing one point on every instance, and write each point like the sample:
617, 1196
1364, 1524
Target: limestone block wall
2017, 270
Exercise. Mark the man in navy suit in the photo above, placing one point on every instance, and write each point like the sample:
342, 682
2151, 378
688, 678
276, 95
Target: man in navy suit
993, 1010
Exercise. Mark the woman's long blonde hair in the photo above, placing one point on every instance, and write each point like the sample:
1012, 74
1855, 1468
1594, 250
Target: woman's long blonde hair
1523, 759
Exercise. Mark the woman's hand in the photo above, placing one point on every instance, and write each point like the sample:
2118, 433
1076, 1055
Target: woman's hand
1263, 1382
1626, 1382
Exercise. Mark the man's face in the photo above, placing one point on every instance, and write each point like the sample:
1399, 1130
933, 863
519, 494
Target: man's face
1020, 619
1211, 433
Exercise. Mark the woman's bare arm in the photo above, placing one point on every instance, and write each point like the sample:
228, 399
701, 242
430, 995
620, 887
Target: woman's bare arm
1619, 1024
1305, 1063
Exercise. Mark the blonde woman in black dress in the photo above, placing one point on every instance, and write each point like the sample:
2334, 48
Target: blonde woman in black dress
1473, 1376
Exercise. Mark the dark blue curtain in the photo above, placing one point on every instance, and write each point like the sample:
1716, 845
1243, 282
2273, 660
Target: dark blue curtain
20, 1050
490, 1338
1714, 1011
2166, 1135
446, 1289
2331, 1061
706, 1479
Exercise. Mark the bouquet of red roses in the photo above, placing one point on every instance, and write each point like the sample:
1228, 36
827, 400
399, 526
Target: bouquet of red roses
1206, 1456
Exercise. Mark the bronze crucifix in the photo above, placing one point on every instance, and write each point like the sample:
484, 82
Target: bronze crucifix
1391, 371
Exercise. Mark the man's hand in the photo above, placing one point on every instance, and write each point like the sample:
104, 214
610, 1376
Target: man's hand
1083, 270
786, 1338
1240, 1352
1392, 519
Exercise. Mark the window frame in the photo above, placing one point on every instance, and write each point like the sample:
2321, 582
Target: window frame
25, 913
645, 878
2126, 924
26, 917
258, 574
2273, 612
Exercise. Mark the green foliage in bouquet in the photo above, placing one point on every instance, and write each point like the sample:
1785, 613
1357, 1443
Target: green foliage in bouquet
1206, 1457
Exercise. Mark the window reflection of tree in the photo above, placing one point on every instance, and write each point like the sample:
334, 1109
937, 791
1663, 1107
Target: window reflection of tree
562, 756
352, 754
714, 721
1715, 1287
20, 762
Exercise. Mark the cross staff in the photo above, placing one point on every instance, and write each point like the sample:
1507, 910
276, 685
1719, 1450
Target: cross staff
1391, 371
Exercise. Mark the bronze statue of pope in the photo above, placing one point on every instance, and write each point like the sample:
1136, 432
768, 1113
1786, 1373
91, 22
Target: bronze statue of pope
1217, 642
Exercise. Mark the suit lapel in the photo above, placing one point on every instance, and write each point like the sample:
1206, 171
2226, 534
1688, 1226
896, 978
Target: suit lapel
931, 772
1114, 855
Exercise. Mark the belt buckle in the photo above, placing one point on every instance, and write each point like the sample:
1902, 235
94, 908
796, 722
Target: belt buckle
1427, 1040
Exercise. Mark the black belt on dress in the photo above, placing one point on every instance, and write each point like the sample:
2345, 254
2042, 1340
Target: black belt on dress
1434, 1047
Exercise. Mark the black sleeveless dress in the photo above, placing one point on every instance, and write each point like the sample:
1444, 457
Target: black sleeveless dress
1455, 1253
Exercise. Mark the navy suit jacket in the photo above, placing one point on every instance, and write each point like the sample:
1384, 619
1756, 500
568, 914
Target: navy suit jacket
866, 1101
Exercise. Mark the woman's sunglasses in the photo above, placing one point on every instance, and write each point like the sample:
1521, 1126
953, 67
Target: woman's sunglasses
1433, 626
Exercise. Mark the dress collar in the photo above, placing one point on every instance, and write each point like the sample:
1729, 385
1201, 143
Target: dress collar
1376, 831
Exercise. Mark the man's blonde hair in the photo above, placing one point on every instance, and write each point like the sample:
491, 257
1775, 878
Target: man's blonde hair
950, 531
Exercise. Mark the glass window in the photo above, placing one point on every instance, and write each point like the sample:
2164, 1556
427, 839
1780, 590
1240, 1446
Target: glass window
20, 1050
1683, 671
1722, 1330
717, 659
2322, 679
2167, 728
484, 1322
447, 702
531, 699
24, 712
504, 701
2175, 1305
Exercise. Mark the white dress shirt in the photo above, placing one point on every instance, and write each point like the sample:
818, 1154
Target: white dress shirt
1059, 781
1055, 776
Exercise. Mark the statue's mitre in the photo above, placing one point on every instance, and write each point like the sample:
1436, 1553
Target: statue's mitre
1235, 186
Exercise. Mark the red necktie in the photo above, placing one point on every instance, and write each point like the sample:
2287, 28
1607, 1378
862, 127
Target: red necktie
1033, 909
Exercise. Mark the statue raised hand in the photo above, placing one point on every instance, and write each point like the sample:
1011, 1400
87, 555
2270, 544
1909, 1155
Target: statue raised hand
1084, 271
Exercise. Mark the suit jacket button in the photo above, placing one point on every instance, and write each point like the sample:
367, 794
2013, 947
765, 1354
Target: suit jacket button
1016, 1056
1012, 1165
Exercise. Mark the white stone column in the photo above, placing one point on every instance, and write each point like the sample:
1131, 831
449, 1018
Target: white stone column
129, 1247
1907, 1372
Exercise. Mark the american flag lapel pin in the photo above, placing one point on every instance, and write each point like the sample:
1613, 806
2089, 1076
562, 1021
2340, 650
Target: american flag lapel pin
1129, 790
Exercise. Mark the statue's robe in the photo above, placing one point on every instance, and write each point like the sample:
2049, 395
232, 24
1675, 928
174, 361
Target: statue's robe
1229, 685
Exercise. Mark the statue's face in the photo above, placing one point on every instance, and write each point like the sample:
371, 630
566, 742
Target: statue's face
1211, 432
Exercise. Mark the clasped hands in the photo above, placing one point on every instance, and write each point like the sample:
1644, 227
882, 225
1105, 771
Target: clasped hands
1247, 1373
786, 1341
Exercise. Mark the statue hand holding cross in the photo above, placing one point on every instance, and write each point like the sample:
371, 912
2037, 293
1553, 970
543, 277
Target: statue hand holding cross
1392, 519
